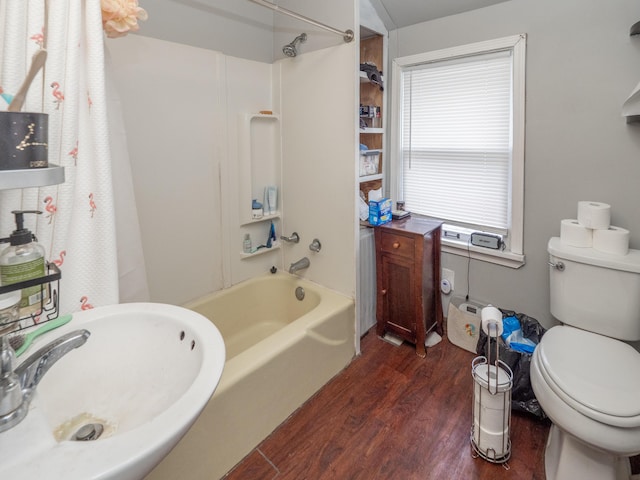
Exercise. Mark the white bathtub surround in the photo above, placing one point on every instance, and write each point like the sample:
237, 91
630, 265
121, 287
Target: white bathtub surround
280, 351
78, 226
217, 94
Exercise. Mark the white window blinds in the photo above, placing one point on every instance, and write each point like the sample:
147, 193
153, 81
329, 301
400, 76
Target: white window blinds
456, 139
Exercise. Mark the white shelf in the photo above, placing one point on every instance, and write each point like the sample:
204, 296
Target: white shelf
31, 177
368, 178
251, 116
274, 247
264, 218
372, 130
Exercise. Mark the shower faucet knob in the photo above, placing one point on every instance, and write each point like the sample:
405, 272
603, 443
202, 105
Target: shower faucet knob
315, 246
294, 238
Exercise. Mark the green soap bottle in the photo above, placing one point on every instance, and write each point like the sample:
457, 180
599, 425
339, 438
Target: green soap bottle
24, 260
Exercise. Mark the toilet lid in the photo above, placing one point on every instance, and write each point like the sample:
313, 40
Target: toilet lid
596, 375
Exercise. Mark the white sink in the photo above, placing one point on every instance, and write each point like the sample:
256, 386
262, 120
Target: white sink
145, 373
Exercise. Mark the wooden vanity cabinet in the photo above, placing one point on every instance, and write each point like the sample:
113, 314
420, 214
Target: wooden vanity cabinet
408, 279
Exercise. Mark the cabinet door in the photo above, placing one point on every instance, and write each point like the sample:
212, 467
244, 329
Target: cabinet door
398, 296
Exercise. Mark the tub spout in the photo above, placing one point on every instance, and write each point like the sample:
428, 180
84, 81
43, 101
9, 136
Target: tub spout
299, 265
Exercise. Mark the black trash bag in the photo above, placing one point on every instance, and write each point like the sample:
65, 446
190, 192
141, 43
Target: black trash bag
522, 397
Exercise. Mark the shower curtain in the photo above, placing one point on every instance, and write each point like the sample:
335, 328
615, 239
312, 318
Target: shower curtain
78, 226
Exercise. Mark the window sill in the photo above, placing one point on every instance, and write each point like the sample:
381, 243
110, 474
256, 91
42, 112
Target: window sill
499, 257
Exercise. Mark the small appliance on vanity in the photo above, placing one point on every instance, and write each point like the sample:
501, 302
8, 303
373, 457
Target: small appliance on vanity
586, 378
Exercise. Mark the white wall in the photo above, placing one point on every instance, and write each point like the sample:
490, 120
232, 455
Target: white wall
243, 29
319, 119
248, 90
171, 107
338, 14
234, 27
581, 66
183, 108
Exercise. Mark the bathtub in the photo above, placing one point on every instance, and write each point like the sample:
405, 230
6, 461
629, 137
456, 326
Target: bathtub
280, 351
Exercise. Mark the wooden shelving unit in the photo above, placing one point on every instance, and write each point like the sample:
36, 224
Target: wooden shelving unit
371, 51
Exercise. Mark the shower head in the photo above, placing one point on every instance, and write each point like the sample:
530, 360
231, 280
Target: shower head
290, 48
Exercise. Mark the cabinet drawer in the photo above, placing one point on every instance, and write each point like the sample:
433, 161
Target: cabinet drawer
397, 244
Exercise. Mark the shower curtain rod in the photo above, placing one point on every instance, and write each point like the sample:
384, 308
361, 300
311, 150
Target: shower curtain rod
347, 35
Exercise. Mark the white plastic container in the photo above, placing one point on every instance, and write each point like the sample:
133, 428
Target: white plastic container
369, 162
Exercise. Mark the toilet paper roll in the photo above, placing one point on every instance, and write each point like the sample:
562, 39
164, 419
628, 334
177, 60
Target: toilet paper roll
493, 445
614, 240
575, 235
594, 215
491, 314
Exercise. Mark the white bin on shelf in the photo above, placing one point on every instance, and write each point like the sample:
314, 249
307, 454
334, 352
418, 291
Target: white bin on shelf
369, 162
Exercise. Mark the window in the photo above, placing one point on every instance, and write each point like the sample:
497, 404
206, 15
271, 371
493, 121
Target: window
459, 142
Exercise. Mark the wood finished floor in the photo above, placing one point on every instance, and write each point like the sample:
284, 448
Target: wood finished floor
392, 415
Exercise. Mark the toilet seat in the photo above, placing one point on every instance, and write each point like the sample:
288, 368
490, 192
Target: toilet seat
594, 374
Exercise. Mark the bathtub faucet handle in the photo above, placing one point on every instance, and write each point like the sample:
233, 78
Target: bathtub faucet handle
315, 246
294, 238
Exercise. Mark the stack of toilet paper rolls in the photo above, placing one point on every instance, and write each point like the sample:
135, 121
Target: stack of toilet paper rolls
593, 229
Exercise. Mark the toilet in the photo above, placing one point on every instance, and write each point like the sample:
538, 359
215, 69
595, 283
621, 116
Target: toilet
585, 377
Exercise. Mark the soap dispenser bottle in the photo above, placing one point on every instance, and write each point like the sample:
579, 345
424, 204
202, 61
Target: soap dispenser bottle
24, 260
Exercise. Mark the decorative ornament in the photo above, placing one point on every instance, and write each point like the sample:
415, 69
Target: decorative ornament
119, 17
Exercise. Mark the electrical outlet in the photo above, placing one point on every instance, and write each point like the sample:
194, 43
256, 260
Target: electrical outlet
449, 275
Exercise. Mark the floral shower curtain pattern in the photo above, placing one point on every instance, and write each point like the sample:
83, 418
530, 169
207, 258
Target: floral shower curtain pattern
78, 224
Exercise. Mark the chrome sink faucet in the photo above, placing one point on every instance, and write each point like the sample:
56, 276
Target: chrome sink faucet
299, 265
17, 386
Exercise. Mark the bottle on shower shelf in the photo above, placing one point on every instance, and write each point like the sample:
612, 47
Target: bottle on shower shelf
270, 200
246, 244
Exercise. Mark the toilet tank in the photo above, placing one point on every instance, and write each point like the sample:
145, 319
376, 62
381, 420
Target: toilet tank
595, 291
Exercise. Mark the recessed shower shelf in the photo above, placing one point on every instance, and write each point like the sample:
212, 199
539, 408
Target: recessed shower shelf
275, 116
275, 246
259, 162
264, 218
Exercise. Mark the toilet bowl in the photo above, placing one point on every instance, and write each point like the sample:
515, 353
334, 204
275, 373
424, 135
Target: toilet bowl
589, 386
584, 375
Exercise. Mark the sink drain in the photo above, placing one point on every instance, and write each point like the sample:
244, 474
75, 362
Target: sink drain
88, 432
84, 427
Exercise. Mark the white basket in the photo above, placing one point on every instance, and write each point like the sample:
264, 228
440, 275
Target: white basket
369, 162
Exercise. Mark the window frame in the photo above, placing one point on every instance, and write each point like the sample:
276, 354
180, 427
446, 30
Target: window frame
513, 254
